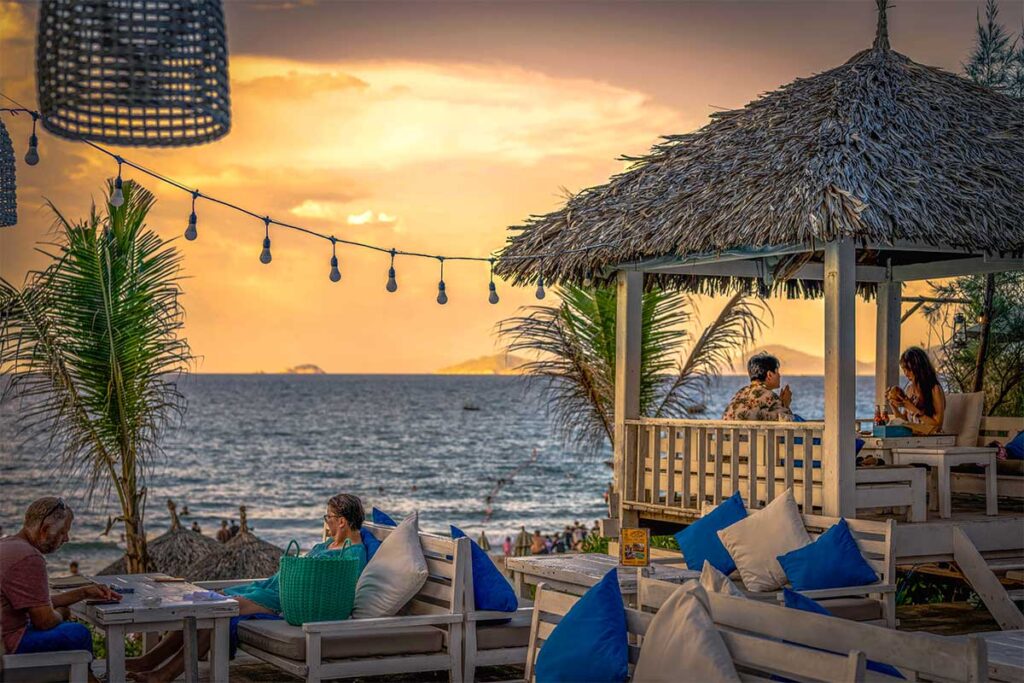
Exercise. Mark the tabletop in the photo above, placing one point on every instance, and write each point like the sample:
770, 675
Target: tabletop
134, 608
1005, 654
587, 569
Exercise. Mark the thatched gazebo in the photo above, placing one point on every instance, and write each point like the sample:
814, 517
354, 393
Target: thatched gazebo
174, 551
244, 556
855, 180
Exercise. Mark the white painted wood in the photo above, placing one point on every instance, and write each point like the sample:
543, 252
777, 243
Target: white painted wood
1005, 655
887, 338
838, 457
955, 268
985, 583
190, 650
220, 647
115, 652
942, 459
76, 661
629, 288
751, 268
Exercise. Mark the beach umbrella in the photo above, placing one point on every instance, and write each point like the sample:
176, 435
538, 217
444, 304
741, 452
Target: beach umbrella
8, 200
522, 543
244, 556
134, 72
174, 551
483, 542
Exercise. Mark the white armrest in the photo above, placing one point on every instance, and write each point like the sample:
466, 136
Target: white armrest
379, 623
847, 591
220, 585
37, 660
493, 614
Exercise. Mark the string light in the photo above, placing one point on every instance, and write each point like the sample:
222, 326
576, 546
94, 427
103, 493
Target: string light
190, 231
32, 155
335, 273
392, 285
492, 297
265, 254
540, 287
442, 296
117, 196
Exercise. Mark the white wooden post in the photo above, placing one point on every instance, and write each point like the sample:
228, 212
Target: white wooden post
629, 287
887, 338
838, 449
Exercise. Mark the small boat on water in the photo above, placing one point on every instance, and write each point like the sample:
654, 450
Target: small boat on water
470, 406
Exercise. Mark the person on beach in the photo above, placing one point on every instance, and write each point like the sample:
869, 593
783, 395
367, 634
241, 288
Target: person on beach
923, 403
758, 400
195, 527
31, 619
234, 528
224, 533
73, 568
259, 599
506, 547
537, 543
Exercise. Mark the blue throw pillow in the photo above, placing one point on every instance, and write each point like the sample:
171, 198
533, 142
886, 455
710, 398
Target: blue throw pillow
382, 518
370, 542
589, 644
1015, 448
833, 560
490, 589
794, 600
700, 541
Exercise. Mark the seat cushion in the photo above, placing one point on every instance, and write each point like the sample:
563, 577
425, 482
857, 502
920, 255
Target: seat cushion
282, 639
963, 417
854, 609
514, 633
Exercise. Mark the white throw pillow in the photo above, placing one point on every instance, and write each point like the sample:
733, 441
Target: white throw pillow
714, 581
756, 541
396, 573
682, 643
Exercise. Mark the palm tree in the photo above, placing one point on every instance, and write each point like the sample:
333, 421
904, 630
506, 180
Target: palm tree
574, 344
91, 347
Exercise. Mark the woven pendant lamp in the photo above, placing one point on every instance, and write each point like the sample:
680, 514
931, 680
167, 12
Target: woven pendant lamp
8, 200
151, 73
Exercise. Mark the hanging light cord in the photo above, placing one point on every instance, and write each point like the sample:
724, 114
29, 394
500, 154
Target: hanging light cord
196, 194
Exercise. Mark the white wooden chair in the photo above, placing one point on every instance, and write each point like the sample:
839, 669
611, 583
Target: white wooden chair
1009, 484
43, 667
493, 638
427, 636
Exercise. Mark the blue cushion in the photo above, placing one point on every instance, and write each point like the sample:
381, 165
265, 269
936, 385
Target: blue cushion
490, 589
382, 518
589, 644
370, 542
833, 560
1015, 448
803, 603
700, 541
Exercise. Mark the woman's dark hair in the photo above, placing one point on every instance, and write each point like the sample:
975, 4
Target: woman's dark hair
350, 507
760, 365
916, 360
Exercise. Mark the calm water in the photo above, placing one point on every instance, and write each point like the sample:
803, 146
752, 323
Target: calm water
282, 444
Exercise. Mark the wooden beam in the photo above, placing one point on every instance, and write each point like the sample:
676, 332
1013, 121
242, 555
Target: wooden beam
751, 268
628, 321
955, 268
838, 456
985, 583
887, 338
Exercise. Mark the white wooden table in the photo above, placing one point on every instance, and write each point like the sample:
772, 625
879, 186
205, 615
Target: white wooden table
941, 460
1005, 655
574, 573
174, 613
883, 446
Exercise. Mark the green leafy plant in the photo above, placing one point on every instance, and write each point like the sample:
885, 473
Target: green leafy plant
91, 347
664, 542
595, 544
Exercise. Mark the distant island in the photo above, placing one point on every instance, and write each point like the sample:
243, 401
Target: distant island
795, 362
305, 369
498, 364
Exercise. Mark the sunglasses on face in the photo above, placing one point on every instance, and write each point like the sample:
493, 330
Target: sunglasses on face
59, 505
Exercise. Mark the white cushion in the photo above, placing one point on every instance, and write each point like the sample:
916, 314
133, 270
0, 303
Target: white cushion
682, 642
714, 581
963, 417
756, 541
396, 573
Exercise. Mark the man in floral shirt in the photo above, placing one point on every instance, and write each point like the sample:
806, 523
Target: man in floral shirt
757, 400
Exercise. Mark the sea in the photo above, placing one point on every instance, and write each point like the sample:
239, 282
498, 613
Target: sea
283, 444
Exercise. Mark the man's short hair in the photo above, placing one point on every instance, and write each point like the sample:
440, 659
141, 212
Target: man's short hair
760, 364
47, 508
350, 507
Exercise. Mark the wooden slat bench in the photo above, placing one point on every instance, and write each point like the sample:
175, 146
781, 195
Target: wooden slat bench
43, 667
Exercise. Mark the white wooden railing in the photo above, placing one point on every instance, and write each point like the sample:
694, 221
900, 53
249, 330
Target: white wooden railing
678, 465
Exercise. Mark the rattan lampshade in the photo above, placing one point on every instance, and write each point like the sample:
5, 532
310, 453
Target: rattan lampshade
148, 73
8, 200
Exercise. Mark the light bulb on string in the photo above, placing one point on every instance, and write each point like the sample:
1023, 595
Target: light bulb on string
32, 155
492, 296
335, 273
190, 231
392, 285
117, 196
540, 287
442, 296
588, 279
265, 254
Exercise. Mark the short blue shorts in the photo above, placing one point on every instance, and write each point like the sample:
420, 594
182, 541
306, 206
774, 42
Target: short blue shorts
65, 636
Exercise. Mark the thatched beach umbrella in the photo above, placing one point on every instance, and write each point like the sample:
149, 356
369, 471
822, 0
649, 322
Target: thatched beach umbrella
880, 150
174, 551
244, 556
522, 546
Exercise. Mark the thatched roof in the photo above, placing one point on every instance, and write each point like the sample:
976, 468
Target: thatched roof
174, 551
244, 556
879, 149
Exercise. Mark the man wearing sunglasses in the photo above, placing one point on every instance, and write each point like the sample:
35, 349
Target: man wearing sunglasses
31, 619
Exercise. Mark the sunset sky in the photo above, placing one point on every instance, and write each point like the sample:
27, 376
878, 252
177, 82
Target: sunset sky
433, 127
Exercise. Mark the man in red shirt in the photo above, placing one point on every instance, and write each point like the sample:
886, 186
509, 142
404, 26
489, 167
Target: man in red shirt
29, 616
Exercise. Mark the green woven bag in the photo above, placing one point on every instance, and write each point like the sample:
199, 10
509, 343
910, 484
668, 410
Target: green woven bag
317, 588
